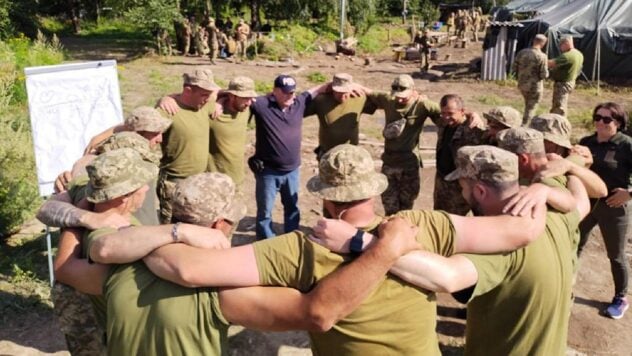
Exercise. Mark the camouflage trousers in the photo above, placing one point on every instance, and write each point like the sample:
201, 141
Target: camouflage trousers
532, 93
561, 91
166, 188
213, 51
424, 63
77, 321
447, 197
403, 188
241, 48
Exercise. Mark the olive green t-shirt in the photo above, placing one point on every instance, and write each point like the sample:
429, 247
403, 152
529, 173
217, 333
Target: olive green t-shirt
227, 144
151, 316
403, 150
521, 302
185, 143
339, 122
567, 66
395, 319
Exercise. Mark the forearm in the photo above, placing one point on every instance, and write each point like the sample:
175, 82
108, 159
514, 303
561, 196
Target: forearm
62, 214
561, 200
194, 267
595, 186
495, 234
434, 272
74, 271
130, 244
315, 91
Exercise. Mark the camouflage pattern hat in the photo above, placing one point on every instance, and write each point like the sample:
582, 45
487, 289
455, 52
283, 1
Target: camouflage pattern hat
202, 78
242, 87
504, 115
555, 128
116, 173
347, 173
485, 163
128, 139
521, 140
145, 118
402, 86
341, 83
204, 198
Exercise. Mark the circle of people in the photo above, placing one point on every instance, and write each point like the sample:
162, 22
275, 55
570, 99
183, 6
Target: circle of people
514, 204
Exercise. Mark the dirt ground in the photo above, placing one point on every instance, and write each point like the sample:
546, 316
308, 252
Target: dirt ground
35, 332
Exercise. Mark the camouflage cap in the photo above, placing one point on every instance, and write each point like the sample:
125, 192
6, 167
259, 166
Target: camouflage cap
521, 140
203, 198
347, 173
555, 128
116, 173
504, 115
202, 78
145, 118
128, 139
242, 87
402, 86
341, 83
485, 163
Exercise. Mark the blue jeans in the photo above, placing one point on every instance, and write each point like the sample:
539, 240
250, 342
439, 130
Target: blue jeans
269, 182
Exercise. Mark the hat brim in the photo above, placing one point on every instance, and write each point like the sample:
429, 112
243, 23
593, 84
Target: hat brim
243, 93
401, 94
207, 86
373, 186
235, 212
454, 175
149, 171
495, 119
563, 142
341, 88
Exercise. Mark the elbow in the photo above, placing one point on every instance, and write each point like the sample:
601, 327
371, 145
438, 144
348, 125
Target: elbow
102, 253
186, 277
600, 192
321, 318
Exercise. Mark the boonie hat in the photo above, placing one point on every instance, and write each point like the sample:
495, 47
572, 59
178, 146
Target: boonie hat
341, 83
347, 173
202, 78
521, 140
555, 128
128, 139
145, 118
203, 198
402, 86
242, 87
485, 163
286, 83
116, 173
505, 115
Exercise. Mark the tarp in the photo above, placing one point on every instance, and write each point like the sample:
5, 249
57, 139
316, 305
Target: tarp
600, 29
536, 6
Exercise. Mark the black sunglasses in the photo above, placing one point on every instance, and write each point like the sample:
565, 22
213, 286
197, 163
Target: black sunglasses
398, 88
606, 119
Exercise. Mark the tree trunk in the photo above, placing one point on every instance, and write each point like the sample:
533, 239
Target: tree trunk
255, 13
73, 7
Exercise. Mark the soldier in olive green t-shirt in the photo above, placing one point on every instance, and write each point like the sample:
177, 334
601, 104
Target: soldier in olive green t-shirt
338, 114
564, 70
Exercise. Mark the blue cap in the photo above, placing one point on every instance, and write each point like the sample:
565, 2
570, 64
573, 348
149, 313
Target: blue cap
286, 83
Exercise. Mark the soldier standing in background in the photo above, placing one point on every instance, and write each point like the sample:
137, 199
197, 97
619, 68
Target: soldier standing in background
450, 23
242, 32
213, 39
424, 43
475, 24
186, 36
564, 71
531, 69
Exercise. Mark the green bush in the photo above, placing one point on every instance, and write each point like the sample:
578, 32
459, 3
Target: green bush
316, 77
18, 181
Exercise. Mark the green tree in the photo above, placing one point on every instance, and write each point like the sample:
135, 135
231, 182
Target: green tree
154, 17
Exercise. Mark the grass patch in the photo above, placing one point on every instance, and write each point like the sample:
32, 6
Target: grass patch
316, 77
263, 87
379, 38
493, 100
112, 29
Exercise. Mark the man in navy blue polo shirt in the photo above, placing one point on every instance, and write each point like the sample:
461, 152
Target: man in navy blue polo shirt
279, 122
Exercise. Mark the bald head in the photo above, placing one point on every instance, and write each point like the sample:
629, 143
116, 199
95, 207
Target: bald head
539, 41
566, 43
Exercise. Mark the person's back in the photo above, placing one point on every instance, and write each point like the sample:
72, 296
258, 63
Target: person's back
568, 66
524, 297
530, 66
396, 319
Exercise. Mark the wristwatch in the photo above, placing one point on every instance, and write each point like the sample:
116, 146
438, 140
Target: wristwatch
357, 241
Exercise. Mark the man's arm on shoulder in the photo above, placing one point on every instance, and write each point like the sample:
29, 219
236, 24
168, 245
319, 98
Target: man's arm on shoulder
494, 234
319, 89
193, 267
96, 140
74, 271
131, 244
333, 298
58, 211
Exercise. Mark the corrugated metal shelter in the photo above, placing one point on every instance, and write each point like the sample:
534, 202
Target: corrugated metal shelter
499, 50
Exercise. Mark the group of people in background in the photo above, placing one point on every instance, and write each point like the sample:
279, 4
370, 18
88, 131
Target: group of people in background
151, 272
214, 38
464, 21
